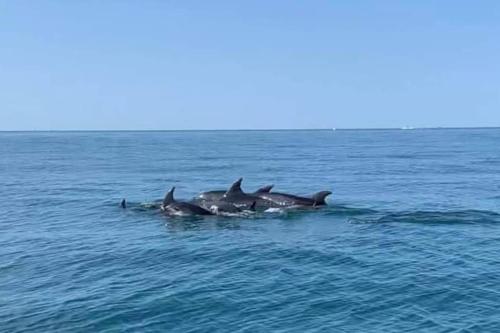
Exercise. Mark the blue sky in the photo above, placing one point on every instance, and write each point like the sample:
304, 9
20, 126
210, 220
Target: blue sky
248, 64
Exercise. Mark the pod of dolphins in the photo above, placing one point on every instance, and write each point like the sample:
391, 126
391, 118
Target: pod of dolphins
234, 201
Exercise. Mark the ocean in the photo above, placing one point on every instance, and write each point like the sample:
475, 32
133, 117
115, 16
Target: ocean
410, 240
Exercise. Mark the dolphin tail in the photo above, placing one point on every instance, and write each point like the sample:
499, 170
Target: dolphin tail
123, 203
169, 197
265, 189
235, 187
319, 198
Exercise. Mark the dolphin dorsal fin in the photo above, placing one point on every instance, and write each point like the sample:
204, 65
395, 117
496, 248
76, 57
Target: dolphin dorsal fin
319, 198
235, 188
169, 197
265, 189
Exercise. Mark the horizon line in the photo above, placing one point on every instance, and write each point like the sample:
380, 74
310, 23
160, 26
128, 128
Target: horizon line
255, 129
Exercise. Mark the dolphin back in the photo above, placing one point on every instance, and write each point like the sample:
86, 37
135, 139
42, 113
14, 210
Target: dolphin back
169, 197
320, 197
265, 189
235, 188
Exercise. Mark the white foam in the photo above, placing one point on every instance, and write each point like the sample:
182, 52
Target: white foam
274, 210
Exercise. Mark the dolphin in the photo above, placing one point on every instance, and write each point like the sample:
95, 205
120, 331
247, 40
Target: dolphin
216, 202
237, 197
219, 194
227, 208
172, 207
220, 207
288, 200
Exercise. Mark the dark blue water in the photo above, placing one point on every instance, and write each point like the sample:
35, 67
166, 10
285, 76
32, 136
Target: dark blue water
410, 240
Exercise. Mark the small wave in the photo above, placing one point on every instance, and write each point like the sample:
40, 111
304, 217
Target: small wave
342, 210
138, 206
243, 213
432, 217
274, 210
354, 215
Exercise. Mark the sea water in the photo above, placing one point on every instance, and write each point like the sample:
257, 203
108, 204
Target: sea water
410, 239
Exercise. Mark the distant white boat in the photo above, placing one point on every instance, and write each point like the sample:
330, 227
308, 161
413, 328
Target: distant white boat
407, 128
334, 129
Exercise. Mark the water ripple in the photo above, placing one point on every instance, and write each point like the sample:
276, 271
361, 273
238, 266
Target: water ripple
410, 240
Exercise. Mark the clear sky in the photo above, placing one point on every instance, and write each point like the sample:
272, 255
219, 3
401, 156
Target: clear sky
248, 64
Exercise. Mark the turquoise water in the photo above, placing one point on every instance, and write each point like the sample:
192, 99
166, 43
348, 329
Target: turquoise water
410, 240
